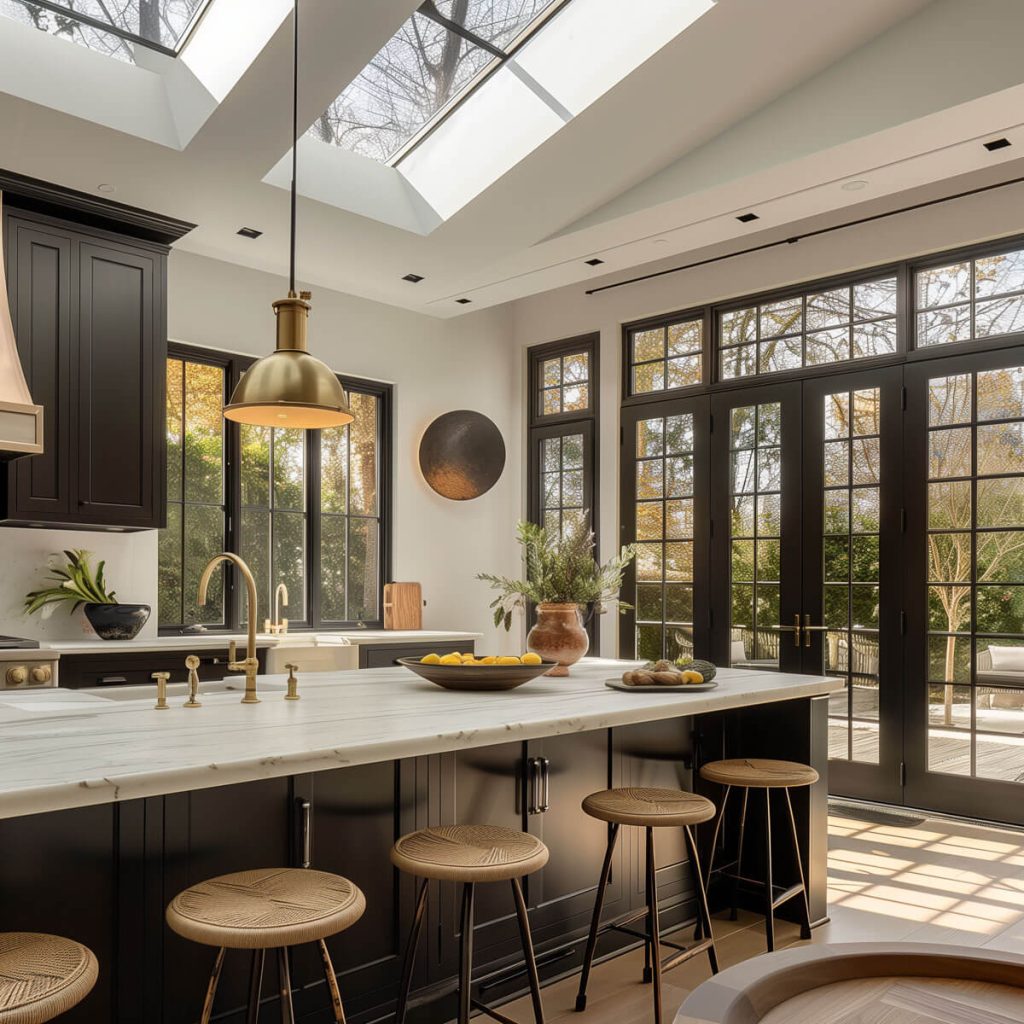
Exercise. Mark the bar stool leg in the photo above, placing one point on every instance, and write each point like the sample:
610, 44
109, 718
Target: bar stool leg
259, 957
595, 921
698, 932
528, 954
284, 975
652, 924
739, 856
211, 988
703, 914
332, 984
466, 953
769, 910
410, 953
805, 927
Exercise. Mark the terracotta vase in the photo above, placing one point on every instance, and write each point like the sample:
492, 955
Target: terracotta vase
558, 635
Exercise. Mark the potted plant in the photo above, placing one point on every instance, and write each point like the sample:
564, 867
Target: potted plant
562, 578
76, 582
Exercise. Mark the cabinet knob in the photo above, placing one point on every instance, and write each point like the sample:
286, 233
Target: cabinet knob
17, 676
41, 674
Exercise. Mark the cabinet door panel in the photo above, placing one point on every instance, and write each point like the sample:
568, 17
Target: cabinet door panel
118, 388
41, 304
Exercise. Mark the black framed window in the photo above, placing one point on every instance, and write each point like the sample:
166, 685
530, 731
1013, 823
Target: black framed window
562, 464
664, 355
310, 509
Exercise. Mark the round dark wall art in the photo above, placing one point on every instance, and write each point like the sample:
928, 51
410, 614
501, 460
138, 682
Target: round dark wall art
462, 455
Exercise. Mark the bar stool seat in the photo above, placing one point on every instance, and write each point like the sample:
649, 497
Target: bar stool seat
767, 775
759, 773
267, 909
469, 853
42, 976
648, 806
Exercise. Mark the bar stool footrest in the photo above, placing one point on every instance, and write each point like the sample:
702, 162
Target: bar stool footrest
780, 894
685, 953
492, 1013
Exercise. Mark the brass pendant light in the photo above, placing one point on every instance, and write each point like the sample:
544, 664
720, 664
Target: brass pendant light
289, 387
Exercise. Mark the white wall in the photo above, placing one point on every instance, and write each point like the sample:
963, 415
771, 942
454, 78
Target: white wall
569, 311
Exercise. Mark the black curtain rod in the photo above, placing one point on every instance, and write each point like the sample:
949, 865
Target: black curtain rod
792, 240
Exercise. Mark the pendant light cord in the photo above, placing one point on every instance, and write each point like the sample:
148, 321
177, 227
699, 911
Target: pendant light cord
295, 138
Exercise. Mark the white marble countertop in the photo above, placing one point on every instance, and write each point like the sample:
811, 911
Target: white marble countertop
205, 641
61, 748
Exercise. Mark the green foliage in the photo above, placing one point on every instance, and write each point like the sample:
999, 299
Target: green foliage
559, 570
75, 581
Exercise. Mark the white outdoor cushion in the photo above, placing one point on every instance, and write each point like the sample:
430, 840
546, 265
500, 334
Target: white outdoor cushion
1007, 659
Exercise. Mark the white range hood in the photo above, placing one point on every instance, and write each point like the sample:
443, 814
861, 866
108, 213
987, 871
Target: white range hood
21, 421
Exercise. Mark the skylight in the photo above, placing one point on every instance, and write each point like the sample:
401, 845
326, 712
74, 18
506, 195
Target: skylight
112, 27
434, 60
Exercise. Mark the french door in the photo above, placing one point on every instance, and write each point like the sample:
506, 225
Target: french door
868, 526
805, 576
964, 593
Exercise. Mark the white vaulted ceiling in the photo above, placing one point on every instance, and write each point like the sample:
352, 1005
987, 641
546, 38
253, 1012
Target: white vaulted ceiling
684, 123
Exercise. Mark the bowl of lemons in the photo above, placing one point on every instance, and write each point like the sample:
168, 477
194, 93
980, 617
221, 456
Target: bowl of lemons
469, 672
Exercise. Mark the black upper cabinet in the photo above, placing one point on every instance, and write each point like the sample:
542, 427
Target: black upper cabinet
90, 316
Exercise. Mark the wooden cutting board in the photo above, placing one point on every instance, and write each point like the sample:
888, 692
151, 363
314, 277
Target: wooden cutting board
403, 606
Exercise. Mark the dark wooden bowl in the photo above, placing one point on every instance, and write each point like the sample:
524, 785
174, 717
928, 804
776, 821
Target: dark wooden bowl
477, 677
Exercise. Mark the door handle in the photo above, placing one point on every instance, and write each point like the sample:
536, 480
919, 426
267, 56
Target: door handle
305, 834
794, 629
535, 771
545, 775
809, 629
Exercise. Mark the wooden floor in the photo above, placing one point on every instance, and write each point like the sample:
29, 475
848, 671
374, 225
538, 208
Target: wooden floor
934, 882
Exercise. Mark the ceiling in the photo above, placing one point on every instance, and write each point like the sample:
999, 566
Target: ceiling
769, 108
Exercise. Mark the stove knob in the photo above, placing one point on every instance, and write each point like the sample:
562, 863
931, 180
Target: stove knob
41, 675
17, 676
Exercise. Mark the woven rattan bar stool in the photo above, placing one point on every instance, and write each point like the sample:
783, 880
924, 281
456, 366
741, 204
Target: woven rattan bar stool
42, 976
469, 854
759, 773
267, 909
649, 809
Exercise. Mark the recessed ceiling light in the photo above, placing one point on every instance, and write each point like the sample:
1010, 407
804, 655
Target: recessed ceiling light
593, 262
746, 218
249, 232
994, 144
105, 188
413, 278
854, 186
463, 302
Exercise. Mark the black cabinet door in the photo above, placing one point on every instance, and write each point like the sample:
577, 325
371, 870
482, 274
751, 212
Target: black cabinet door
120, 475
39, 285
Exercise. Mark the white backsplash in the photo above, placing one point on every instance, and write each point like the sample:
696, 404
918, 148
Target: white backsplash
131, 571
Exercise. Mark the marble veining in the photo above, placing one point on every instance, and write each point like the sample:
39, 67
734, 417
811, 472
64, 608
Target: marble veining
95, 750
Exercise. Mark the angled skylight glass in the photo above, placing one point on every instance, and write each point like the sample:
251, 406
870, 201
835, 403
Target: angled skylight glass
436, 58
113, 27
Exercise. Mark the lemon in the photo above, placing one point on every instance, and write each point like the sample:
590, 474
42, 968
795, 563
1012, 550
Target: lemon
450, 659
491, 659
692, 677
508, 660
430, 659
531, 659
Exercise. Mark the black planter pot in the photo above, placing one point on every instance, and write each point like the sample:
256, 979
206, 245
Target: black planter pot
117, 621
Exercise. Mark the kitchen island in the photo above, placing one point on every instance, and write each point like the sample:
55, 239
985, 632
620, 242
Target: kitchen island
109, 808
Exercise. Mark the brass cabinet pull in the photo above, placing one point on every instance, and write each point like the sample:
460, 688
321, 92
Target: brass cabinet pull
545, 774
536, 772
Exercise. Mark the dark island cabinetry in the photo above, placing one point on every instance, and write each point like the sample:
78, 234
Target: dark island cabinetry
87, 285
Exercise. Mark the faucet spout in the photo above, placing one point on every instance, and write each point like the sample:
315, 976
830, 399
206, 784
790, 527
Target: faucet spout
250, 665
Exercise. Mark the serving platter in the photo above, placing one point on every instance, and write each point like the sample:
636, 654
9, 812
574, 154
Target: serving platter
477, 677
618, 684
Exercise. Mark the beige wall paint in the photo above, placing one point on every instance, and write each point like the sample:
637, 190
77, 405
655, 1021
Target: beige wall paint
569, 311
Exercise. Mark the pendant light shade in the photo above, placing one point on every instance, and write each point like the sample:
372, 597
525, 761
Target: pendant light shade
290, 388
